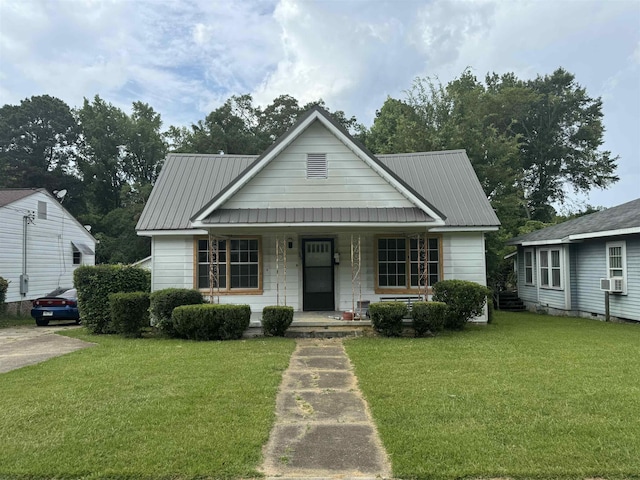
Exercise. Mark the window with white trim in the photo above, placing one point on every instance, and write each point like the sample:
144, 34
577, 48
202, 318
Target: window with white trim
550, 268
528, 267
617, 261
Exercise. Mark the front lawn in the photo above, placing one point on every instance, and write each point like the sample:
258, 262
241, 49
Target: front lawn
7, 320
529, 396
148, 408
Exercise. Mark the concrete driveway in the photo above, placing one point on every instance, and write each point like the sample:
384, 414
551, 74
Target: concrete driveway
22, 346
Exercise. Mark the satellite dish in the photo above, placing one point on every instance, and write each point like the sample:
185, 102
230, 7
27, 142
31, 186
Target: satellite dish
60, 194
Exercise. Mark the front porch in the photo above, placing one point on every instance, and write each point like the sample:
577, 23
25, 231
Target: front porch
316, 324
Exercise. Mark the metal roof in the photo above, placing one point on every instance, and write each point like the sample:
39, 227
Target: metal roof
317, 215
622, 217
186, 183
448, 180
10, 195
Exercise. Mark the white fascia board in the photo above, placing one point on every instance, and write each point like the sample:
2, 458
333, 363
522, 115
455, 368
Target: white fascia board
256, 168
464, 229
606, 233
153, 233
557, 241
218, 226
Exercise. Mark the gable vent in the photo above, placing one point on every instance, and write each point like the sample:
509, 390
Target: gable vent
316, 165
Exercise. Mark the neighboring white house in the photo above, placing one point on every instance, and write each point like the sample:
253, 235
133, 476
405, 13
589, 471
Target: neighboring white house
40, 243
566, 268
316, 222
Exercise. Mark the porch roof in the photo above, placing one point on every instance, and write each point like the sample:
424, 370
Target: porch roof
270, 216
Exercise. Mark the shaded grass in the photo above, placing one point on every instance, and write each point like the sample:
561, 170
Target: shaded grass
529, 396
145, 408
7, 320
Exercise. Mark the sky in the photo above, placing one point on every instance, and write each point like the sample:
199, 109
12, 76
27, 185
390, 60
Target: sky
185, 58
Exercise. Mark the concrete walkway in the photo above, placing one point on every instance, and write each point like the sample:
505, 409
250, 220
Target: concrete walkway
22, 346
323, 427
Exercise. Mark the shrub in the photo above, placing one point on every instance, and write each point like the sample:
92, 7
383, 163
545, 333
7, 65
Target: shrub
428, 317
386, 317
129, 313
211, 322
464, 300
94, 284
4, 286
162, 303
276, 320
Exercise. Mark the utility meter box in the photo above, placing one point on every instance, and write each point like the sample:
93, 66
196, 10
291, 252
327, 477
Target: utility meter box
24, 283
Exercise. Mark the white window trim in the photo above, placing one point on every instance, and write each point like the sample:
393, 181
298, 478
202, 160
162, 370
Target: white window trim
549, 266
623, 244
533, 266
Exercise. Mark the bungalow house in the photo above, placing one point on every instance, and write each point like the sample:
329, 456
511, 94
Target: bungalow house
316, 222
566, 269
41, 243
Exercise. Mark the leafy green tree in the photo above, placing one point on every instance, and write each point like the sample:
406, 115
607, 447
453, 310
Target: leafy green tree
38, 143
146, 147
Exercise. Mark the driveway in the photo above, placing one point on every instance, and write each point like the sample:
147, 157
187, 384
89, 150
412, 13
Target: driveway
22, 346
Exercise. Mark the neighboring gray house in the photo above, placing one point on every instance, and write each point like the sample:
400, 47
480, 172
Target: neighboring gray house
316, 222
41, 243
566, 268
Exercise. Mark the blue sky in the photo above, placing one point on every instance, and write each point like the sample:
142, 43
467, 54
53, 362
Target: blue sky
186, 57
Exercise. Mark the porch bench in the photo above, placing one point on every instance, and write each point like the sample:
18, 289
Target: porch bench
409, 300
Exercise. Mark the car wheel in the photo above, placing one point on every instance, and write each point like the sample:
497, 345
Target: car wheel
78, 322
41, 322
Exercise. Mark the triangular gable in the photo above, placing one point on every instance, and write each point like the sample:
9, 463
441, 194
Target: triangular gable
316, 114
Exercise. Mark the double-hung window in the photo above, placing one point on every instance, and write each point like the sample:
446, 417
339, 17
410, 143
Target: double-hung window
550, 268
617, 262
528, 267
230, 265
405, 264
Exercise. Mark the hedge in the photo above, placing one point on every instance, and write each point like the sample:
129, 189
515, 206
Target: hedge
428, 317
464, 300
386, 317
129, 313
276, 320
96, 283
162, 303
211, 322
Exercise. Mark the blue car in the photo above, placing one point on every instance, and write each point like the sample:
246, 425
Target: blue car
61, 304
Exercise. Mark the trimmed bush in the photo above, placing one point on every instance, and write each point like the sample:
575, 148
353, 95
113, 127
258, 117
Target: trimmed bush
162, 303
276, 320
4, 286
129, 313
464, 300
428, 317
94, 284
211, 322
386, 317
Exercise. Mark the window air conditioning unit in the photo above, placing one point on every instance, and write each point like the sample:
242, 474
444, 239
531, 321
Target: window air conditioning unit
612, 285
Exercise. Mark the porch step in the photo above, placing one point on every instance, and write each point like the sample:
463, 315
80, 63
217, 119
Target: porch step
510, 302
319, 329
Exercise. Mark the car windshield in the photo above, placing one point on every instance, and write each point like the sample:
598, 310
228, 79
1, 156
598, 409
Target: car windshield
71, 293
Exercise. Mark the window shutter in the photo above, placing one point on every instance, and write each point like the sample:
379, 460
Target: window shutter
316, 165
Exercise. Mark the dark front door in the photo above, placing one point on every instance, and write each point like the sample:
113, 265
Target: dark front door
318, 274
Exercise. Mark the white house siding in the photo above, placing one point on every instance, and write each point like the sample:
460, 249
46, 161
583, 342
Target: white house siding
49, 249
573, 275
283, 183
592, 265
173, 260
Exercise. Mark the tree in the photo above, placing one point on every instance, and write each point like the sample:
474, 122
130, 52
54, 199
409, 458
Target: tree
145, 147
38, 144
561, 135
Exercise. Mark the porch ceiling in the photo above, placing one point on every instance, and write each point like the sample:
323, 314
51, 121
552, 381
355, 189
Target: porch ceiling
317, 215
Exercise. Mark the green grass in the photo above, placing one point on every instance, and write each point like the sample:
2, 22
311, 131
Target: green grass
147, 408
7, 320
529, 396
